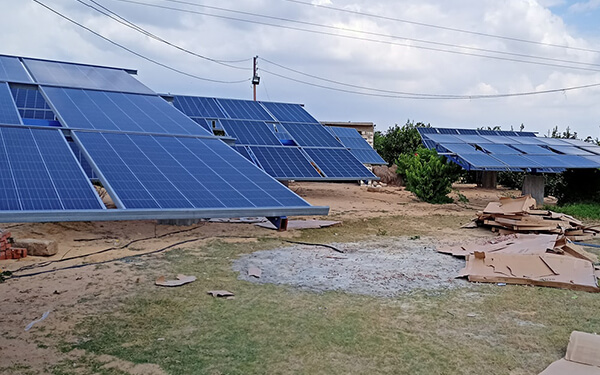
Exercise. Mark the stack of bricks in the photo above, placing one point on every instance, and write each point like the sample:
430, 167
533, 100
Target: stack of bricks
6, 249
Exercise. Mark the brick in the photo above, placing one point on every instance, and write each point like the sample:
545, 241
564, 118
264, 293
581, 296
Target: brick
16, 254
2, 255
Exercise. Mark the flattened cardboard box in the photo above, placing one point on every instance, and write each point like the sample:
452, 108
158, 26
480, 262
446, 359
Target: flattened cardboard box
582, 358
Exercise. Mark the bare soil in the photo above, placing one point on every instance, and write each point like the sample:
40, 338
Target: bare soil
74, 293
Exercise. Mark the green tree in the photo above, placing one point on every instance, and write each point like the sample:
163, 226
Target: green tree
398, 140
428, 175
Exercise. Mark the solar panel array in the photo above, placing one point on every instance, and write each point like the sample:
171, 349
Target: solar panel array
357, 145
154, 161
281, 138
508, 150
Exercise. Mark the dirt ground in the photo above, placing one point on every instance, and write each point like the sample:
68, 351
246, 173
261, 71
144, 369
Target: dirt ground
84, 289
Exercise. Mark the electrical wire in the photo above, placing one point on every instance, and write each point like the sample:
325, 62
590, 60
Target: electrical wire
374, 34
364, 14
118, 18
134, 52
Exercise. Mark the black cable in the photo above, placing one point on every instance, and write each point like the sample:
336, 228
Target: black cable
442, 27
118, 18
370, 33
132, 51
316, 244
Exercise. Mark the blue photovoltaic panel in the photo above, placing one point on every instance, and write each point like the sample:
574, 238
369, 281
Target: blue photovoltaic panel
338, 163
482, 160
311, 135
467, 132
39, 172
285, 162
244, 110
458, 148
571, 150
11, 70
84, 76
576, 142
493, 148
499, 139
146, 171
592, 149
427, 130
367, 156
250, 132
8, 110
87, 168
285, 112
349, 137
445, 138
507, 133
31, 103
525, 134
534, 150
102, 110
526, 140
203, 122
563, 161
243, 151
518, 161
195, 106
473, 138
447, 131
553, 141
487, 132
594, 158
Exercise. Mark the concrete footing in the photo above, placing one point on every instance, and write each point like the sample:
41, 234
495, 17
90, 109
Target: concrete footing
534, 185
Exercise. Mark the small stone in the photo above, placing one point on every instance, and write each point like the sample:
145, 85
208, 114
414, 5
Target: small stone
37, 247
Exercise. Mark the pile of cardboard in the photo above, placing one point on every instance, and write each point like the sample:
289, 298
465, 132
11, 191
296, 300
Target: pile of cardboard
533, 259
582, 357
518, 215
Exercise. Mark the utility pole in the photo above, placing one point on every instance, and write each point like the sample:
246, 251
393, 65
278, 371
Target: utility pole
255, 77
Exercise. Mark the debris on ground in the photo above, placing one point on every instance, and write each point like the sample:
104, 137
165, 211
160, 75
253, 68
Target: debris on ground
302, 224
388, 175
582, 357
221, 293
7, 248
518, 215
533, 259
181, 280
254, 271
44, 316
37, 247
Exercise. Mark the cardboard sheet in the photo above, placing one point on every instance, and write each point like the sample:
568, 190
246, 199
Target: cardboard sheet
543, 270
582, 358
511, 244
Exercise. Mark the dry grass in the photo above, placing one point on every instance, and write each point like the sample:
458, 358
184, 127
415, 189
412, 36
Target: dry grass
271, 329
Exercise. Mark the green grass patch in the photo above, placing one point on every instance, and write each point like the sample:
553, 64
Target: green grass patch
270, 329
589, 211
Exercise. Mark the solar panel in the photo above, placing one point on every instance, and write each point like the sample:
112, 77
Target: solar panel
525, 134
594, 158
285, 112
483, 161
63, 74
31, 104
338, 163
553, 141
39, 172
473, 138
487, 132
424, 130
243, 151
493, 148
250, 132
592, 149
285, 162
458, 148
500, 139
103, 110
467, 132
445, 138
203, 122
194, 106
87, 168
244, 110
526, 140
563, 161
349, 137
534, 150
8, 109
311, 135
146, 171
575, 142
11, 70
447, 131
519, 161
367, 156
571, 150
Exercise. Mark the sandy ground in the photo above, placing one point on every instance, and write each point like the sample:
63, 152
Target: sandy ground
70, 294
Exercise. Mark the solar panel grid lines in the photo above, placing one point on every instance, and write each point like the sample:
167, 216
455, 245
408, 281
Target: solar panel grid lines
533, 140
593, 149
502, 149
553, 141
571, 150
9, 197
31, 103
54, 73
367, 156
345, 165
244, 109
516, 160
458, 148
285, 162
103, 110
286, 112
45, 174
593, 158
203, 122
484, 161
499, 139
195, 106
12, 70
445, 138
310, 135
8, 110
251, 132
533, 149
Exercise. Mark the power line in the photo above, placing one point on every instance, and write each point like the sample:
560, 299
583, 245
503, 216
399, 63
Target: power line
118, 18
373, 40
132, 51
442, 27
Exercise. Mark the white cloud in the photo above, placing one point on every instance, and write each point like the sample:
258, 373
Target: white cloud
585, 6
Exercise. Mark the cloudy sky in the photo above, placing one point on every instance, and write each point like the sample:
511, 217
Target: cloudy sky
460, 63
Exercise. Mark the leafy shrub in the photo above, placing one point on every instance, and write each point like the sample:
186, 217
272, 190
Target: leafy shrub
398, 140
428, 175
